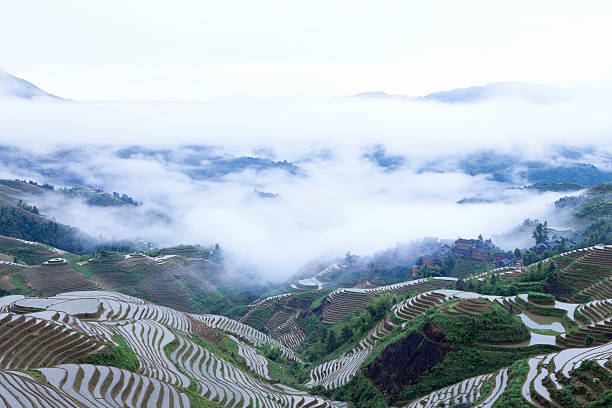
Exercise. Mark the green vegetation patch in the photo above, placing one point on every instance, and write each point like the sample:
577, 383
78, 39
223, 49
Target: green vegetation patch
512, 396
467, 357
567, 323
458, 366
120, 356
589, 386
359, 390
28, 254
541, 298
187, 251
326, 341
467, 267
497, 326
546, 332
227, 349
285, 371
197, 401
20, 286
228, 302
314, 297
260, 317
584, 319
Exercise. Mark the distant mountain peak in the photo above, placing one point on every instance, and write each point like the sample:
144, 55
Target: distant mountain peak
375, 94
512, 89
10, 85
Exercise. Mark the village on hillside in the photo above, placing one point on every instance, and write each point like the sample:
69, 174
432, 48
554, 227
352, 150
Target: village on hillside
443, 252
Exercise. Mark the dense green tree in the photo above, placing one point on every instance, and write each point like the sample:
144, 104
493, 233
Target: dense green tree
541, 233
332, 343
347, 333
14, 222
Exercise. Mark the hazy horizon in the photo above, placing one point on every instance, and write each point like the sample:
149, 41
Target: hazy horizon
269, 83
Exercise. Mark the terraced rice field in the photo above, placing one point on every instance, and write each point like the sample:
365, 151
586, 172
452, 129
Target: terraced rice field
245, 332
219, 381
160, 278
18, 389
599, 332
50, 341
597, 310
545, 373
338, 372
278, 316
96, 330
256, 362
506, 272
466, 391
329, 271
551, 371
283, 326
417, 305
341, 302
473, 303
7, 265
148, 339
100, 386
33, 253
49, 280
269, 299
589, 270
473, 306
47, 336
7, 301
27, 341
314, 282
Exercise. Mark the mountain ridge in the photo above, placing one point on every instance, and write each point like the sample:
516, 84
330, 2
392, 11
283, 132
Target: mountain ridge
527, 91
11, 85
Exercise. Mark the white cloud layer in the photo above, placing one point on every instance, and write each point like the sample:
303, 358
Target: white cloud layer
337, 202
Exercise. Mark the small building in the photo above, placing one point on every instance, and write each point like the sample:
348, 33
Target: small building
463, 252
415, 270
479, 253
430, 260
465, 243
555, 243
503, 263
502, 255
541, 247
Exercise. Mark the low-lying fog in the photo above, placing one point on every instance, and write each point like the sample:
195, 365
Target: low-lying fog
365, 173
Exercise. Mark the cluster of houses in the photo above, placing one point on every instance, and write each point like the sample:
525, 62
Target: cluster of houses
467, 249
482, 249
473, 248
552, 245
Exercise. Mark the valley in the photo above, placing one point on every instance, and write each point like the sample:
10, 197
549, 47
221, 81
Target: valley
162, 327
72, 333
305, 204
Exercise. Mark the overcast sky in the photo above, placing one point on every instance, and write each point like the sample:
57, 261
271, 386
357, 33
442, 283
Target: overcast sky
205, 50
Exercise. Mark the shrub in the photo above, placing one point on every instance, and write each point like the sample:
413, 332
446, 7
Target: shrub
512, 396
541, 298
120, 356
582, 317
